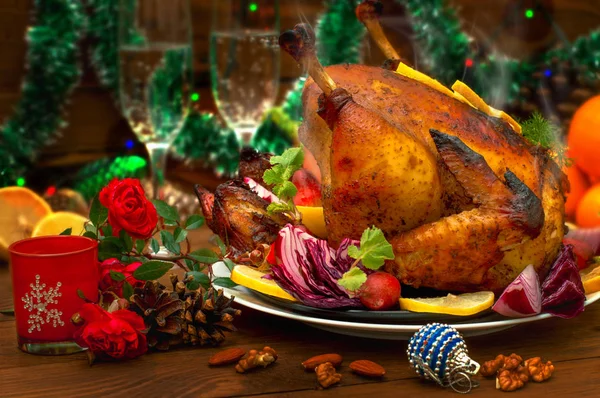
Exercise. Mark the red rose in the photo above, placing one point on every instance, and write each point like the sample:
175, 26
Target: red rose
107, 335
108, 284
128, 208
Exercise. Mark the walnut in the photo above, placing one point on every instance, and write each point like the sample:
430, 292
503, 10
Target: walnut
256, 358
491, 368
512, 379
538, 370
326, 375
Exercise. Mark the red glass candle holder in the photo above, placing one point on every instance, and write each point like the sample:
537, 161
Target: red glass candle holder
46, 273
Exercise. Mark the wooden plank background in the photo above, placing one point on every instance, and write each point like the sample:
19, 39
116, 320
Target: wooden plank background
95, 127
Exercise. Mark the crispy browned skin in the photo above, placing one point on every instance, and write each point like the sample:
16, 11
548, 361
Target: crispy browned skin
506, 213
474, 263
253, 164
239, 216
401, 175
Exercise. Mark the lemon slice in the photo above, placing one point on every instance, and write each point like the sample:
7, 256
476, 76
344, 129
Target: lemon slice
463, 304
55, 223
253, 279
20, 210
591, 278
313, 219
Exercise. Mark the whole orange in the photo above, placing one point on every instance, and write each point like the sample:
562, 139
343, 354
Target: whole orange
579, 185
588, 210
584, 137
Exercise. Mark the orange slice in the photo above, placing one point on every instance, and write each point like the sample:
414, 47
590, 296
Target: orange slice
20, 210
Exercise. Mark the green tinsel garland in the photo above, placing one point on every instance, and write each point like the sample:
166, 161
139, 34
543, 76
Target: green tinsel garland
445, 49
91, 178
52, 71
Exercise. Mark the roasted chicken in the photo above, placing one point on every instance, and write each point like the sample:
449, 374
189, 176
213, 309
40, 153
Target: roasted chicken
237, 214
465, 200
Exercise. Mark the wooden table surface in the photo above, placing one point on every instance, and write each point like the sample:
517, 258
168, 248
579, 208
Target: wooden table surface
572, 345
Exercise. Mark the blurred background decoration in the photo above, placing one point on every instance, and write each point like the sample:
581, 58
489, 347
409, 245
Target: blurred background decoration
63, 126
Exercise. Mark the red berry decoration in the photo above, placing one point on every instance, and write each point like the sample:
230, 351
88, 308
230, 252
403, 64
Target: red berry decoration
380, 292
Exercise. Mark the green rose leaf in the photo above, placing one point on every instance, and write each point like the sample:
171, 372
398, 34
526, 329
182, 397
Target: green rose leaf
117, 276
152, 270
200, 278
230, 264
216, 240
127, 241
127, 290
353, 279
224, 282
154, 246
169, 213
205, 256
107, 230
194, 221
67, 231
98, 213
140, 245
179, 235
90, 234
169, 242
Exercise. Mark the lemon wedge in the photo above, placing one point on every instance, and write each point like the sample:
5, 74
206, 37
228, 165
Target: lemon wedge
55, 223
463, 304
591, 278
314, 220
253, 279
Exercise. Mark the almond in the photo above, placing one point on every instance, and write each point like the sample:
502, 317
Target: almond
367, 368
312, 363
225, 357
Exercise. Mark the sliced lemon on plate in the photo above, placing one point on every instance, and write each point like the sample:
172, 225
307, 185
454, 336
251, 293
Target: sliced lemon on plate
314, 220
462, 304
55, 223
591, 278
253, 279
20, 210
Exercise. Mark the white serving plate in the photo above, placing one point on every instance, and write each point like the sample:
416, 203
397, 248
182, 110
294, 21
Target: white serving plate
247, 298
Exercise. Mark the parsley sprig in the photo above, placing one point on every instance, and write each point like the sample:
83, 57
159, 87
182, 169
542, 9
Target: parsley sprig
284, 167
373, 251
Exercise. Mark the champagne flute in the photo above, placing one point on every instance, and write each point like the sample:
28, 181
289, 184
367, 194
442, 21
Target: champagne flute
155, 74
244, 62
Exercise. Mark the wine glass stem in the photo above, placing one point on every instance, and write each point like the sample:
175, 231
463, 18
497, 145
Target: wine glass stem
158, 157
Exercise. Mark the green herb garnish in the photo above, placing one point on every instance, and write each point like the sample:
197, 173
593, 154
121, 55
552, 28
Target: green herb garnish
540, 131
374, 250
353, 279
279, 176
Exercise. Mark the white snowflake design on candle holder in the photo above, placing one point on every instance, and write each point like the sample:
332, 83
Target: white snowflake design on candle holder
37, 302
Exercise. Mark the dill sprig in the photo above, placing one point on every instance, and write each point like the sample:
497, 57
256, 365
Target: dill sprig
540, 131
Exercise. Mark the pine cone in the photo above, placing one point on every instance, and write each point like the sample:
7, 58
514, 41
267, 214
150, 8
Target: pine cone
162, 312
207, 316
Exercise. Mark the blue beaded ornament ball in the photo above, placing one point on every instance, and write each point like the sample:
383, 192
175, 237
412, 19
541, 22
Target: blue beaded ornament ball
438, 352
